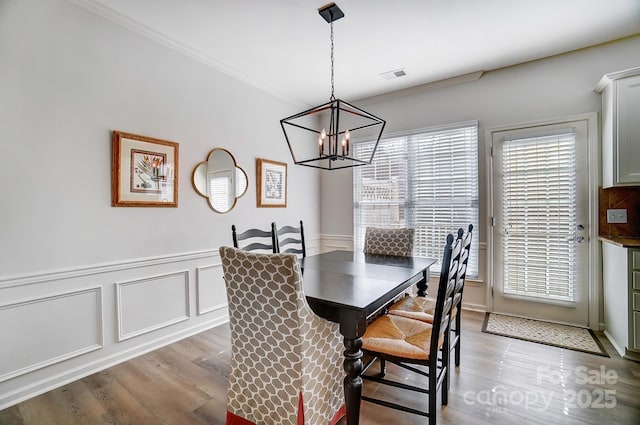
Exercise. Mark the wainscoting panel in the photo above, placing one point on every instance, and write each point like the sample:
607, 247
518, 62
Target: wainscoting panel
57, 326
41, 332
211, 293
335, 242
151, 303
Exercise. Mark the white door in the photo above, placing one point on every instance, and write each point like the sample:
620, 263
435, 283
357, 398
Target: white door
540, 207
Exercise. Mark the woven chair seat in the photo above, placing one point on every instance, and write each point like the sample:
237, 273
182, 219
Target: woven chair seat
418, 308
400, 337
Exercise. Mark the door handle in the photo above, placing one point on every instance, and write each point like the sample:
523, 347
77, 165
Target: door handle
577, 239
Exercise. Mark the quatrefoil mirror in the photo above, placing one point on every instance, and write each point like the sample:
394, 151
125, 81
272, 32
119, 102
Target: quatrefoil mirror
220, 180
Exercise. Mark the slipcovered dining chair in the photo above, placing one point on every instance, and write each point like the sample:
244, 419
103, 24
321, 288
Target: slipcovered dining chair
290, 239
286, 362
416, 345
397, 242
255, 239
383, 241
422, 308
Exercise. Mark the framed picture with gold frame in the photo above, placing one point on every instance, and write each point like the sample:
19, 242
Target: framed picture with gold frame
144, 171
271, 187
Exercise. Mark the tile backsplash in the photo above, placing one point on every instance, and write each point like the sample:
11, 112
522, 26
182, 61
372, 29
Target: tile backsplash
628, 198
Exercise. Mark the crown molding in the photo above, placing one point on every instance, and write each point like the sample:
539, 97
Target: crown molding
433, 85
138, 27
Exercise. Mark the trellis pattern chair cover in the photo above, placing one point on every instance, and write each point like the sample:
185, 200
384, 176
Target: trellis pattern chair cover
286, 362
398, 242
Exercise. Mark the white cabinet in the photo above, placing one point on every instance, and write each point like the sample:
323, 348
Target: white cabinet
621, 285
620, 127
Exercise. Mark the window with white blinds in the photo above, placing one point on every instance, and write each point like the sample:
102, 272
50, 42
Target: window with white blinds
539, 216
427, 180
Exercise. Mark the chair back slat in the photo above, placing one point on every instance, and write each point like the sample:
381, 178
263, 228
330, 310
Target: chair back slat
290, 239
254, 240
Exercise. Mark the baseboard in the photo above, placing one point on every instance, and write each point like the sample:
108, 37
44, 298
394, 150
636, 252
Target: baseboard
474, 307
632, 355
619, 349
52, 382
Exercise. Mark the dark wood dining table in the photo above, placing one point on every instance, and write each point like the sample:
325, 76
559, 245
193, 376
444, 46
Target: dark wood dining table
349, 288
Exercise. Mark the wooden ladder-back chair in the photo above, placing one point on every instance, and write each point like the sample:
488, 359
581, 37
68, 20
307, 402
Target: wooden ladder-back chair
290, 239
422, 308
286, 362
416, 345
255, 239
397, 242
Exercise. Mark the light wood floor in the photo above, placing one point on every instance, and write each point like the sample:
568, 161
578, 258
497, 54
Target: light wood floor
501, 381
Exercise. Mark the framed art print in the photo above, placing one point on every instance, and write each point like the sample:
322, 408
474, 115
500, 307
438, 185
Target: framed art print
272, 184
144, 171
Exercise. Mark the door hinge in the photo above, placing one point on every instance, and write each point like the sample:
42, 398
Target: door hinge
493, 221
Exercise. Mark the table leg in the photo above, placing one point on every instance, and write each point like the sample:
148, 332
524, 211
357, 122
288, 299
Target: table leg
423, 284
353, 380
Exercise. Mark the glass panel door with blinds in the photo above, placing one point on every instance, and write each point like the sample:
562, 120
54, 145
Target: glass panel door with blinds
540, 222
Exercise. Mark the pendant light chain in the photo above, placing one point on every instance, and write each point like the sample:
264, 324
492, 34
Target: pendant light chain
332, 98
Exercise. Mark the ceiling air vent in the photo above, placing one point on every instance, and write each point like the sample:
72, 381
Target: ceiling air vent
393, 74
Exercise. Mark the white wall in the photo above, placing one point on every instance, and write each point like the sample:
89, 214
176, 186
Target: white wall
83, 284
549, 88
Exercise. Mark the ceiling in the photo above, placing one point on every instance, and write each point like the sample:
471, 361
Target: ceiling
283, 46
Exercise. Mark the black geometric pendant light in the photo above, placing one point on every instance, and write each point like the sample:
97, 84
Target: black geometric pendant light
321, 137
